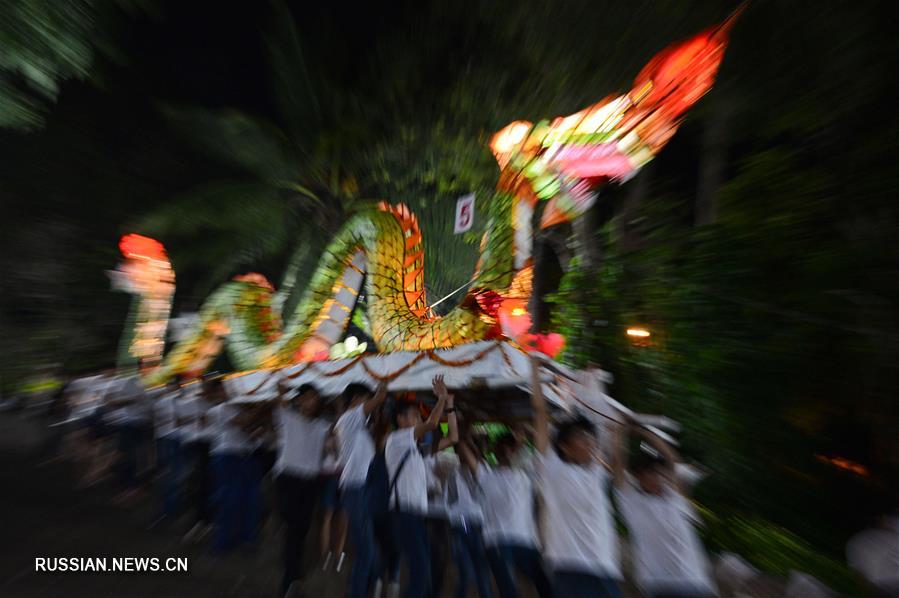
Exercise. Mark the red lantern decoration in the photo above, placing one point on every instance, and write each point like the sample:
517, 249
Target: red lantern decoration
550, 344
140, 247
514, 319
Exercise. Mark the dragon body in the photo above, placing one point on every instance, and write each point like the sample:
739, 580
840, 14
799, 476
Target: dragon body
380, 252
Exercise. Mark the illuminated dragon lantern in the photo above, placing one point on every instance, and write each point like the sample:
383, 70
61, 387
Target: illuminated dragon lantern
563, 161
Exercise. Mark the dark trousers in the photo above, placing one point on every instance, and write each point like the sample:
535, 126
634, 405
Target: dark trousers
471, 561
132, 446
363, 538
411, 535
507, 560
439, 541
297, 499
570, 584
197, 454
238, 499
168, 464
387, 566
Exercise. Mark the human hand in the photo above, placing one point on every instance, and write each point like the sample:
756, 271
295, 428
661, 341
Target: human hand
439, 387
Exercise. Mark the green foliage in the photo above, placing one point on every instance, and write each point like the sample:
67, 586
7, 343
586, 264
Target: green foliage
774, 329
45, 43
775, 550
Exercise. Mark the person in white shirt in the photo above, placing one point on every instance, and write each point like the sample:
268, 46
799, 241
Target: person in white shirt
466, 517
357, 449
440, 467
332, 538
302, 431
580, 542
168, 447
238, 500
131, 418
408, 491
669, 559
193, 427
510, 528
875, 554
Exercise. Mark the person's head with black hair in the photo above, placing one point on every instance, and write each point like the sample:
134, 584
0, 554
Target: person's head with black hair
649, 469
505, 447
575, 440
309, 400
380, 424
213, 386
355, 394
173, 384
406, 414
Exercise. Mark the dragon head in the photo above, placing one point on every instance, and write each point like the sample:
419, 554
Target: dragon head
566, 160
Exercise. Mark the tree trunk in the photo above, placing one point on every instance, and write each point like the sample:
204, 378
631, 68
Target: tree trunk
586, 240
628, 221
712, 163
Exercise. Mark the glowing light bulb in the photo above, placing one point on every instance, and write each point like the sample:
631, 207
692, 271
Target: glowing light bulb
638, 332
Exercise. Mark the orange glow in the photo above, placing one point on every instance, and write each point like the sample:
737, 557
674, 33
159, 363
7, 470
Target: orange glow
138, 246
508, 140
844, 464
514, 319
638, 332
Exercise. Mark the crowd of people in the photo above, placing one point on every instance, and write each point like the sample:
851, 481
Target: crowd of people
525, 507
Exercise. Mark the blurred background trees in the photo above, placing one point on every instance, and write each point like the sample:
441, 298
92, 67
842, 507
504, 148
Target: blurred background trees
759, 248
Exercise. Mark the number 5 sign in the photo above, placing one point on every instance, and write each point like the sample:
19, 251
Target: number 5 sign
464, 213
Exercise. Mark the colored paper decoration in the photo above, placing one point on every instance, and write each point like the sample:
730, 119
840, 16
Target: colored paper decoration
562, 161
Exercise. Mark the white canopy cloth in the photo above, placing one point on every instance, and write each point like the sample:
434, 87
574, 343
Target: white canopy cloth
488, 363
485, 364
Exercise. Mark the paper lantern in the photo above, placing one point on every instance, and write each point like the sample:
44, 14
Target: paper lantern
140, 247
514, 319
550, 344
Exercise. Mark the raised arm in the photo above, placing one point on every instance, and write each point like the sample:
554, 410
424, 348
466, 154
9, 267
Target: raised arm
376, 401
467, 455
538, 404
436, 413
452, 422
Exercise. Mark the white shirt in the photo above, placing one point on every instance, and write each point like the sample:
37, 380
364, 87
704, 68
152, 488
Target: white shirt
138, 412
580, 536
164, 416
508, 498
84, 396
189, 408
134, 408
875, 554
227, 438
410, 495
301, 443
357, 449
466, 508
667, 552
436, 495
330, 464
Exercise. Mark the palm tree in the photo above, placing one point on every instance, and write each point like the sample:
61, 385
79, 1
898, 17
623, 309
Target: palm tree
292, 182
